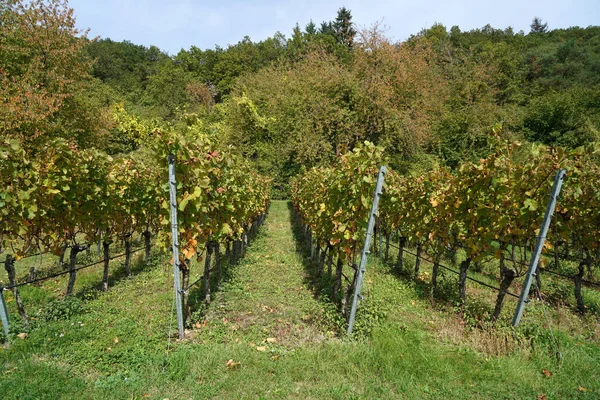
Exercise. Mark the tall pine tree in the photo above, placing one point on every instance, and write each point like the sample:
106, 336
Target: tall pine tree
537, 26
344, 28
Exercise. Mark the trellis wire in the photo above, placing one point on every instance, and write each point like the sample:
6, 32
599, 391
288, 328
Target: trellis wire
66, 272
455, 272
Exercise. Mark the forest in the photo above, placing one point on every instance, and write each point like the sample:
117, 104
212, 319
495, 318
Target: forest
289, 103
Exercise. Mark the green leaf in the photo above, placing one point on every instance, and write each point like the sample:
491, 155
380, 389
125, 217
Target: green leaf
531, 204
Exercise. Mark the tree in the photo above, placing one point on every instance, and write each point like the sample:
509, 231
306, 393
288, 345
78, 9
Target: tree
537, 26
42, 65
343, 27
311, 28
326, 28
167, 92
559, 119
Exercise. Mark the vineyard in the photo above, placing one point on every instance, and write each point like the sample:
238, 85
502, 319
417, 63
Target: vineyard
63, 198
483, 212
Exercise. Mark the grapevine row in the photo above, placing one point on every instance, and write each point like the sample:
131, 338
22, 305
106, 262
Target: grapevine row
491, 209
62, 196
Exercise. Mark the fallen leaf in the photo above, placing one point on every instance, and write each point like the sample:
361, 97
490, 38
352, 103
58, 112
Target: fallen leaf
261, 348
225, 321
541, 397
232, 364
146, 395
108, 349
582, 389
271, 340
237, 340
547, 373
116, 340
22, 335
252, 345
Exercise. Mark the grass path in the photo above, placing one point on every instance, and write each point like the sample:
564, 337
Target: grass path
267, 293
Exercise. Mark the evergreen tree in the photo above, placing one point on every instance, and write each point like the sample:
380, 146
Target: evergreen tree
326, 28
311, 28
537, 26
343, 27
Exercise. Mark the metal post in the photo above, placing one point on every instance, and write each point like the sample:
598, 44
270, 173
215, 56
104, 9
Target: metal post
175, 234
380, 241
541, 239
363, 258
3, 312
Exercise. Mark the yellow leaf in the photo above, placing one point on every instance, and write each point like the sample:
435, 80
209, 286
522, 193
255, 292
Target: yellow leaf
261, 348
116, 340
232, 364
271, 340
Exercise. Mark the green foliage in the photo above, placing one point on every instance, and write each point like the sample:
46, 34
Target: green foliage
44, 75
537, 26
64, 309
560, 119
335, 202
125, 66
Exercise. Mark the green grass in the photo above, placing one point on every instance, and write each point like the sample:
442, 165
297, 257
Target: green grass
417, 348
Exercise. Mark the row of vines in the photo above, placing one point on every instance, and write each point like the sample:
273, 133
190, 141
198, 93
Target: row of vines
61, 197
490, 210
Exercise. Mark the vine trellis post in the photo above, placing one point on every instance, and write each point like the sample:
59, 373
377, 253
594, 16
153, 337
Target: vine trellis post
365, 252
3, 312
541, 239
175, 242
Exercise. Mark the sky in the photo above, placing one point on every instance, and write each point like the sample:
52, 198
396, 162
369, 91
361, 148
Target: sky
175, 24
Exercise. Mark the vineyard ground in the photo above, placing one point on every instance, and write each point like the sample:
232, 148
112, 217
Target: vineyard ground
268, 317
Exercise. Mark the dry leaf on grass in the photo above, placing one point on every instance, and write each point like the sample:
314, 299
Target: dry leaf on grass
582, 389
232, 364
271, 340
547, 373
22, 335
261, 348
116, 340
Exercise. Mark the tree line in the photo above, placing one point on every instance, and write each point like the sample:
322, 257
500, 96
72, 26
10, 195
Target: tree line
288, 103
